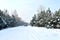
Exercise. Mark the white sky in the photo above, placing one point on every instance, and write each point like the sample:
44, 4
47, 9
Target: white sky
27, 8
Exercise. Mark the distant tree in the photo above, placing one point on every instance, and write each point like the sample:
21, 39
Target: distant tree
17, 19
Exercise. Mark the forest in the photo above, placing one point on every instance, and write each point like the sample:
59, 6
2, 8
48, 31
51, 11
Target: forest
7, 21
46, 18
43, 18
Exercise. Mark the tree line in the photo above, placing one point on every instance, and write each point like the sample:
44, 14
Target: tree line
7, 20
46, 18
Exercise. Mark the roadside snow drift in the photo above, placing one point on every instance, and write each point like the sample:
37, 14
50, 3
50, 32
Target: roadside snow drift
29, 33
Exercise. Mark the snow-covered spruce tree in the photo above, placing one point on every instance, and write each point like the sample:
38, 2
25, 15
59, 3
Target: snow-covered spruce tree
33, 21
54, 22
57, 18
38, 19
9, 19
2, 21
48, 16
6, 20
41, 20
43, 17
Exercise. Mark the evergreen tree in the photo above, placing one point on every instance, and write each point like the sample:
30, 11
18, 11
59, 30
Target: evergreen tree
33, 21
42, 18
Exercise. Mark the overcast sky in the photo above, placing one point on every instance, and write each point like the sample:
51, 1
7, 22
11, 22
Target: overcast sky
27, 8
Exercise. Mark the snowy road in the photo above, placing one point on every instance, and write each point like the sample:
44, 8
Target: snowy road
29, 33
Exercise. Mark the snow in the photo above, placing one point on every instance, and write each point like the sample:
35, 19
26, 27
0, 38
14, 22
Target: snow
29, 33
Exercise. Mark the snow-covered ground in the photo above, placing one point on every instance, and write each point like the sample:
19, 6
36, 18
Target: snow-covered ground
29, 33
